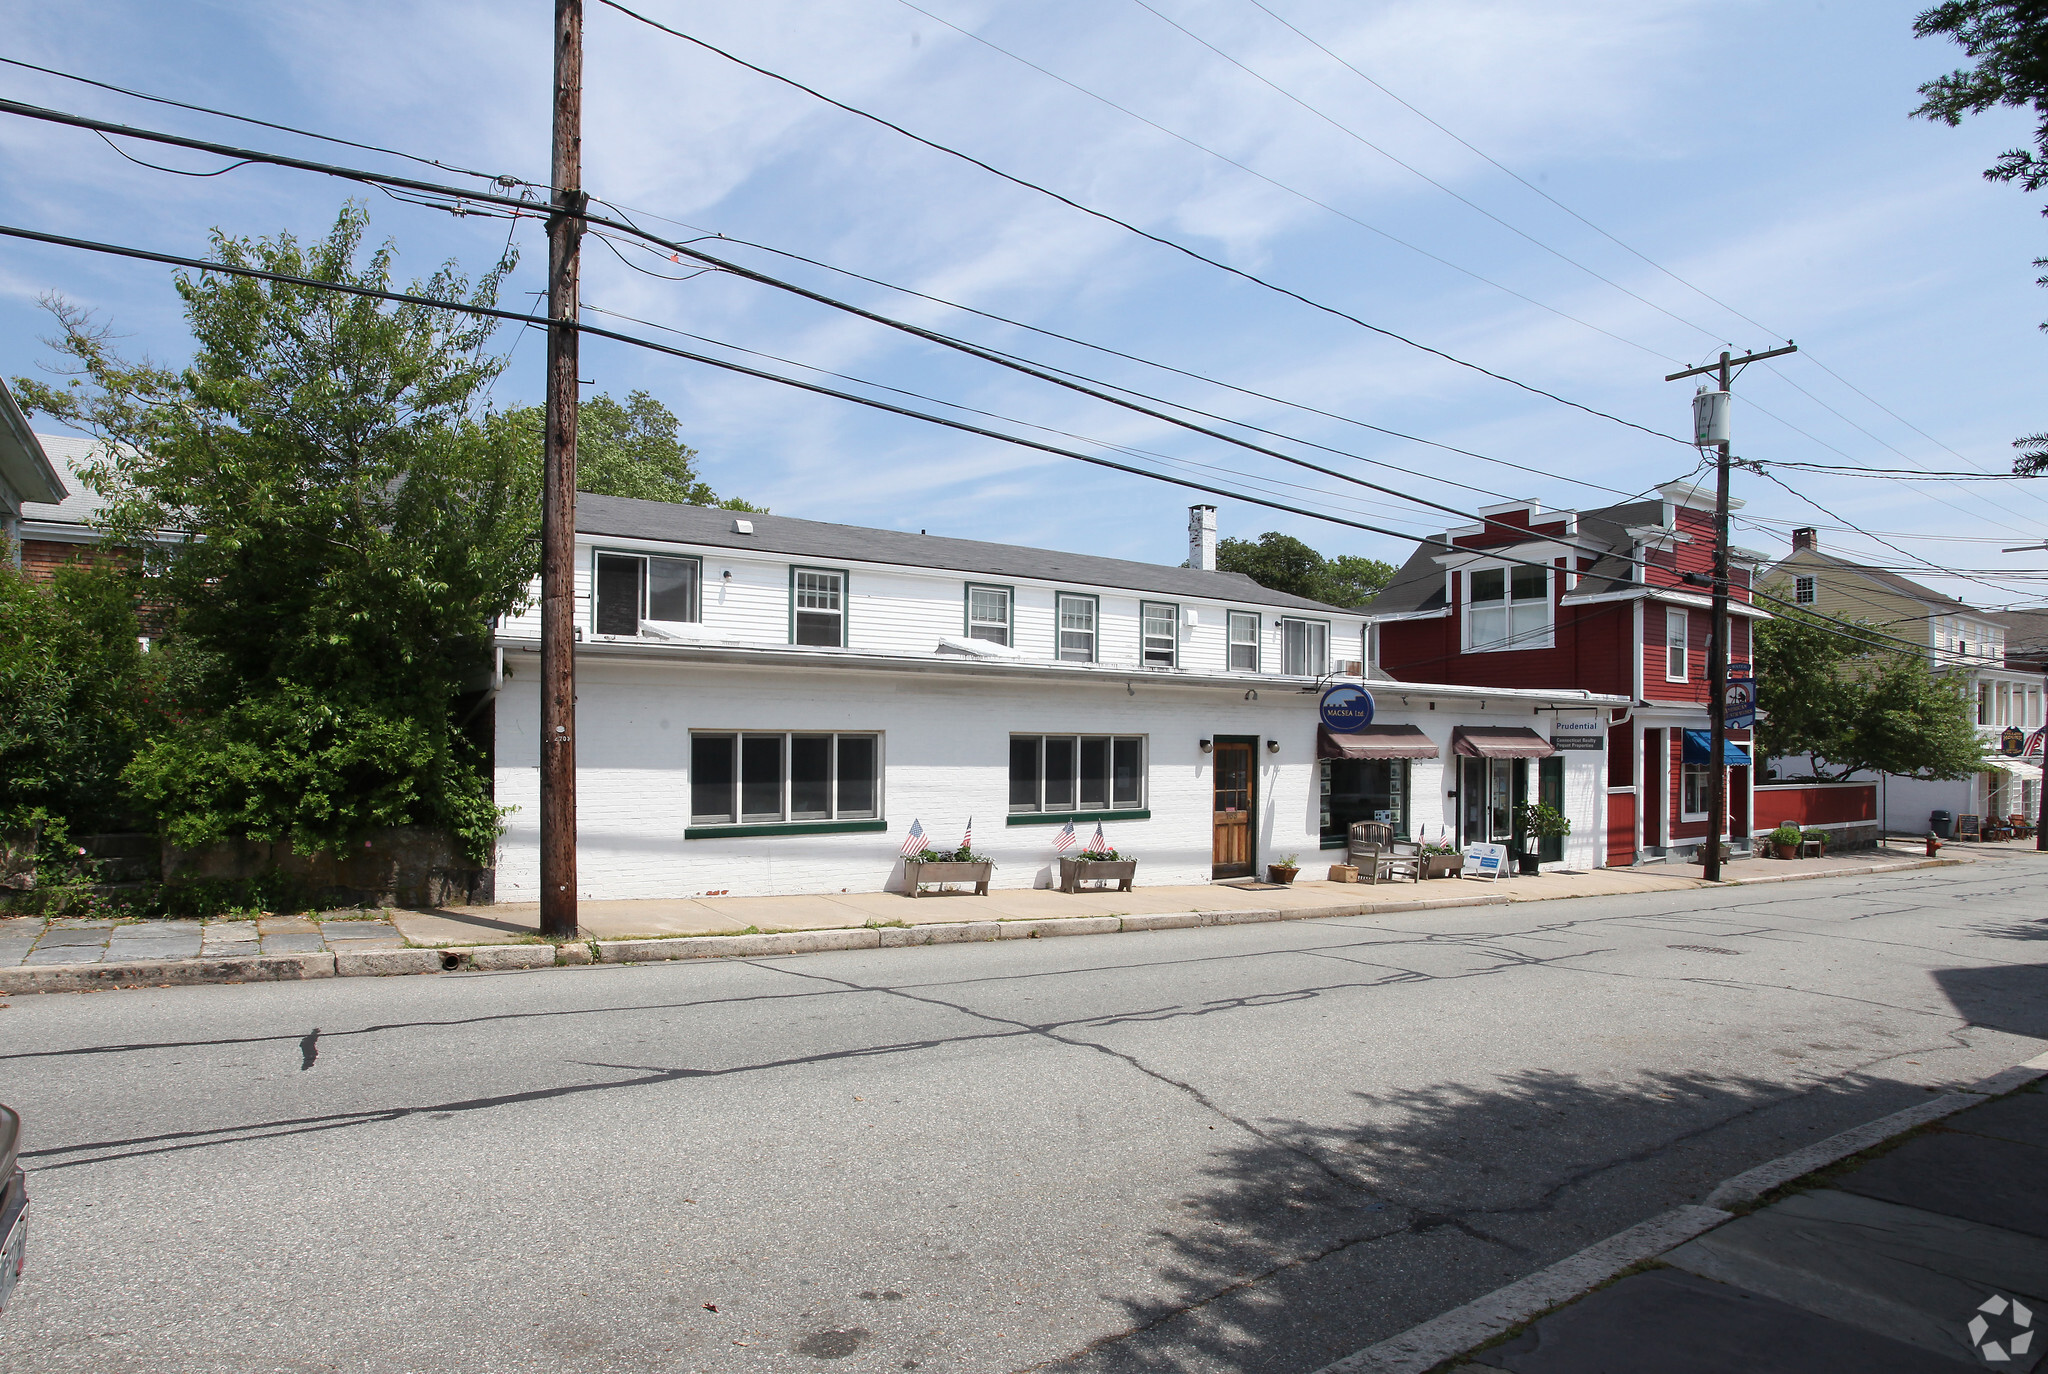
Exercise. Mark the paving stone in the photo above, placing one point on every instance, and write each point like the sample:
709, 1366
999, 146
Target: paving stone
76, 935
336, 931
1903, 1273
64, 954
80, 923
286, 925
293, 942
1975, 1177
1677, 1323
2022, 1117
155, 940
230, 949
20, 925
15, 948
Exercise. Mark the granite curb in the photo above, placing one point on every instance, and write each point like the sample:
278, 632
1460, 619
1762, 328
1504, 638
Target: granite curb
1444, 1338
656, 949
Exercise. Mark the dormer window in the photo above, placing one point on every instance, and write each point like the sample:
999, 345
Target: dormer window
818, 609
1507, 608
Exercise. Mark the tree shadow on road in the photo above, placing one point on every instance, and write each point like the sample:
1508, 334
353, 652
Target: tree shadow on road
1316, 1240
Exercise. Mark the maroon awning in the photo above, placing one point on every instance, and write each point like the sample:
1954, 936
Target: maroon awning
1375, 742
1499, 742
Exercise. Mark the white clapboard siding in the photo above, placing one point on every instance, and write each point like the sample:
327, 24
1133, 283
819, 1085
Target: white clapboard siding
909, 610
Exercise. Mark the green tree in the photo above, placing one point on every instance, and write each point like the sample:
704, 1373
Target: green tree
1848, 707
1285, 564
2009, 41
78, 695
355, 517
1350, 581
633, 449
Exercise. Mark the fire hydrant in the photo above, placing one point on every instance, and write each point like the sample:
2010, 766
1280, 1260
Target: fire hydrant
1933, 844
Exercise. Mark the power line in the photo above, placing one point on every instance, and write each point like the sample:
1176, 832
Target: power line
247, 155
1617, 242
1277, 184
1126, 225
1345, 129
974, 350
496, 179
494, 312
1620, 243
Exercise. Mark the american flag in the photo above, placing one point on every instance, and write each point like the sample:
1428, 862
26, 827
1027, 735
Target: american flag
913, 843
1065, 839
967, 835
1098, 845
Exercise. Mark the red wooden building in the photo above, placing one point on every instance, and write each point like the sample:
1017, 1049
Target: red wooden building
1614, 600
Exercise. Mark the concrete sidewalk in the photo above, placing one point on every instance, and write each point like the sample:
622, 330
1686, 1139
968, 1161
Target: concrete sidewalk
72, 953
844, 910
1929, 1253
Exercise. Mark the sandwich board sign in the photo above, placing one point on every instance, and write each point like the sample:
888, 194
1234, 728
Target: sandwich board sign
1487, 861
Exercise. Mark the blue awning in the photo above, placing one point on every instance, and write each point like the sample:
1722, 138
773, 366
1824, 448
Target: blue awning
1699, 747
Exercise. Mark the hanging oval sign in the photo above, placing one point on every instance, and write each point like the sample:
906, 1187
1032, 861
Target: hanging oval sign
1346, 708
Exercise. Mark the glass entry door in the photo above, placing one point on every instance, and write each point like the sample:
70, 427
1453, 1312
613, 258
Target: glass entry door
1232, 856
1489, 790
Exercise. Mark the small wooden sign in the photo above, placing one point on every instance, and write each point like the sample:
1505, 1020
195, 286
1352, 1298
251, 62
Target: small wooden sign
1969, 827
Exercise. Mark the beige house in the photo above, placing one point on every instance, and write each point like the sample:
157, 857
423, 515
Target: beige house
1958, 640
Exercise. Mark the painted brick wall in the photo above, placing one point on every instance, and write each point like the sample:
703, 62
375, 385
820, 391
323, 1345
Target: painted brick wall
945, 751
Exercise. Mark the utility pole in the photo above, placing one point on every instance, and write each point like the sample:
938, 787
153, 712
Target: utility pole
558, 492
1710, 424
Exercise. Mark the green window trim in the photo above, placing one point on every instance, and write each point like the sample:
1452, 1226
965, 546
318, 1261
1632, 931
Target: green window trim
1094, 620
967, 609
1062, 817
707, 832
845, 577
1336, 842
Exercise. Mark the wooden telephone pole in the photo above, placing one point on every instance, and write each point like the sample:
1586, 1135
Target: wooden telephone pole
1717, 642
558, 492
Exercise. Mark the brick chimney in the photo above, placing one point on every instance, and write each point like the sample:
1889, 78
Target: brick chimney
1202, 538
1802, 538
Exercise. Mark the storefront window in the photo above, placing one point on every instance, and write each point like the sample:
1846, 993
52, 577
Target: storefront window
758, 777
1077, 773
1364, 790
1694, 790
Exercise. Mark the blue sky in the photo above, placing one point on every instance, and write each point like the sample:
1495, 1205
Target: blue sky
1759, 151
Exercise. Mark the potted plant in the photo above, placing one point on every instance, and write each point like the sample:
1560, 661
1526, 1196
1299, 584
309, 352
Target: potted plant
1283, 872
1540, 822
1442, 859
1098, 866
1785, 839
961, 865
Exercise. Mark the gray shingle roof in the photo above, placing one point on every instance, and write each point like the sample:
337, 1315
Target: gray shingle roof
623, 518
1904, 586
83, 505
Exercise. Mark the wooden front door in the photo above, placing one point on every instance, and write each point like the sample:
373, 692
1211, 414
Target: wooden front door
1233, 845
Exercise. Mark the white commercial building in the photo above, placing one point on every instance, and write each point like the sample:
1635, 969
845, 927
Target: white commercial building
765, 705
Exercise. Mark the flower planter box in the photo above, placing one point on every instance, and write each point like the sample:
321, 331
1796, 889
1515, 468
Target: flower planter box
1283, 876
1787, 851
916, 873
1343, 873
1443, 866
1074, 872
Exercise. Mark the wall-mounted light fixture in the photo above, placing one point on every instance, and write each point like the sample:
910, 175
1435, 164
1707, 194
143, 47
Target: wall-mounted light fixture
1272, 746
727, 574
1251, 694
1208, 745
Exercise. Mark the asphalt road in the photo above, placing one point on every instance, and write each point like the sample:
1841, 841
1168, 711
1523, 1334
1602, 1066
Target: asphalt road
1249, 1148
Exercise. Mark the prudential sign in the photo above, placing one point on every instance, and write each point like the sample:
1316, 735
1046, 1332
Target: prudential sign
1346, 708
